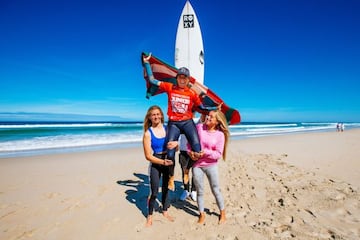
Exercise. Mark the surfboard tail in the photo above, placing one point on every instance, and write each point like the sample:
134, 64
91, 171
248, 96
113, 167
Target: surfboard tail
165, 72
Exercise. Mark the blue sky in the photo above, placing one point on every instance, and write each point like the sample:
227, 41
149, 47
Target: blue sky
273, 60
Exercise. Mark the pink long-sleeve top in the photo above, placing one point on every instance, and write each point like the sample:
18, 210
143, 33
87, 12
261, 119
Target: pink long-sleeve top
212, 143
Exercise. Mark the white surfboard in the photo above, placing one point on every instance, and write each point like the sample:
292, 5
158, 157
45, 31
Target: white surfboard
189, 50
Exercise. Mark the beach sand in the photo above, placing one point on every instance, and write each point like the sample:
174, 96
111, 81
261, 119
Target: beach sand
301, 186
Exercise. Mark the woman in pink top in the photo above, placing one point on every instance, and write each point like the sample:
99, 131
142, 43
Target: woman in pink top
214, 135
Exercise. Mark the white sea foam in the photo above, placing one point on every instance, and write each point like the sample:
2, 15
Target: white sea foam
21, 139
263, 125
66, 141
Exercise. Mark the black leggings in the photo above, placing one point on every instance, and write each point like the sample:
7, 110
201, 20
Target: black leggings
186, 163
156, 171
174, 129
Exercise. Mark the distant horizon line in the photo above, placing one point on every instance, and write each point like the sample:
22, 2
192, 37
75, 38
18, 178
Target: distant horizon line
141, 121
41, 117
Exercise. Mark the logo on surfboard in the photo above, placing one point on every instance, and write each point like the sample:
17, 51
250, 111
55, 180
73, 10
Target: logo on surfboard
188, 20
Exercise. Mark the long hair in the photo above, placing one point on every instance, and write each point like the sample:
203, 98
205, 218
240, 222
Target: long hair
223, 126
147, 122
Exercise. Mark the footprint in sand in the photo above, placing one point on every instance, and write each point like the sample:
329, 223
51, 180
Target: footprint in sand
111, 224
7, 214
52, 195
84, 182
101, 190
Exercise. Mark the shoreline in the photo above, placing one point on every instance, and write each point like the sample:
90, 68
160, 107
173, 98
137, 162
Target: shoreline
303, 185
136, 144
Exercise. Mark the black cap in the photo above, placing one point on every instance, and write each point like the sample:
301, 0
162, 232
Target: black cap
183, 71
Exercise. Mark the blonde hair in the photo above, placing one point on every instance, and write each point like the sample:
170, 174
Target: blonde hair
147, 122
223, 127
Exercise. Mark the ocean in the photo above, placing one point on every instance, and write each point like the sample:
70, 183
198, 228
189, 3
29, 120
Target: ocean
35, 138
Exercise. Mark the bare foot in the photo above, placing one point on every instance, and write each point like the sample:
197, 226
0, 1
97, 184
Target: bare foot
148, 221
201, 219
166, 214
222, 217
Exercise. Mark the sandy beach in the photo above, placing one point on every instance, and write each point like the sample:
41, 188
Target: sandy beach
300, 186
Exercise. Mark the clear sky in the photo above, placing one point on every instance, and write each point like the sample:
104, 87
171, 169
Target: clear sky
273, 60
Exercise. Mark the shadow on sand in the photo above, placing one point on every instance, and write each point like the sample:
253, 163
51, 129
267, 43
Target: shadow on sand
138, 190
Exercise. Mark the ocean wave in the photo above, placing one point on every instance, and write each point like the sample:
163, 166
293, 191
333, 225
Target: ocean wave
19, 138
67, 125
66, 141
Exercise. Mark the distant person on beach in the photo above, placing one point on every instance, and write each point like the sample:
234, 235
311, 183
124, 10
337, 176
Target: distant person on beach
155, 152
340, 127
214, 135
181, 101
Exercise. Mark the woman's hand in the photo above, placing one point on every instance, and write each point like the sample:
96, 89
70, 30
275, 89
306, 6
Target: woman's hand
168, 162
195, 155
146, 58
172, 144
